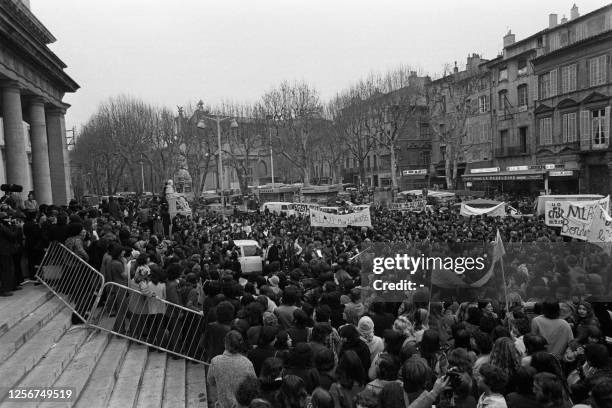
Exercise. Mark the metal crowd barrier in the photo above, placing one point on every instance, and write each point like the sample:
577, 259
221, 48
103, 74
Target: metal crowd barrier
121, 310
71, 279
131, 313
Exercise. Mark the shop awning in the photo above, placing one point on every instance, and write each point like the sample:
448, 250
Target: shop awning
506, 175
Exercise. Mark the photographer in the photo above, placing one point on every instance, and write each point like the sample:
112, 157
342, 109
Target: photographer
8, 244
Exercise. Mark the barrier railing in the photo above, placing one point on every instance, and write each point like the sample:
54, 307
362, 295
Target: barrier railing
130, 312
138, 315
71, 279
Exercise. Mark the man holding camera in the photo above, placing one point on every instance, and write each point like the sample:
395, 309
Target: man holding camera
8, 241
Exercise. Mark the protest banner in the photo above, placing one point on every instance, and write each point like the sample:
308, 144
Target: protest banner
414, 206
577, 222
304, 208
356, 219
497, 211
600, 231
556, 210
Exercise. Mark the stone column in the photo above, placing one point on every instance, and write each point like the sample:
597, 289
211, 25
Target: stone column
59, 163
14, 136
41, 173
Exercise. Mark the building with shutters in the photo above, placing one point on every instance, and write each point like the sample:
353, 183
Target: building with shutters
550, 109
572, 114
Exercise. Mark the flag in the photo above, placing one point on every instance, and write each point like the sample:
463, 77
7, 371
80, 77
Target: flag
498, 248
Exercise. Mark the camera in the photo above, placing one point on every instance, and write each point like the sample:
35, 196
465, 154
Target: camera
11, 188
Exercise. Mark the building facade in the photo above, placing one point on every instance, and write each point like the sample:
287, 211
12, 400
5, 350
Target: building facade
572, 116
33, 83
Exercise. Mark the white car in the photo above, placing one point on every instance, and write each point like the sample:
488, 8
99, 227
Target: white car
249, 258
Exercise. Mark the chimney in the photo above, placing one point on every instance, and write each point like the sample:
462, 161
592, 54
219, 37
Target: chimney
574, 14
563, 20
552, 20
509, 39
455, 70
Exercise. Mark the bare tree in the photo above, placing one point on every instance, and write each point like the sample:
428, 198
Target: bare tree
377, 111
296, 112
244, 143
450, 105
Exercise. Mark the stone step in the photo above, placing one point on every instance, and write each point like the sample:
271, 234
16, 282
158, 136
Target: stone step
51, 366
196, 385
28, 327
21, 304
80, 369
30, 354
152, 387
129, 381
174, 388
99, 388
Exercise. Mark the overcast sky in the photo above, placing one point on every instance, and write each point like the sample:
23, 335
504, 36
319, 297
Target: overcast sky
176, 52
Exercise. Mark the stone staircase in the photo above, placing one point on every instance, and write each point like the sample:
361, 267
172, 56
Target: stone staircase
39, 348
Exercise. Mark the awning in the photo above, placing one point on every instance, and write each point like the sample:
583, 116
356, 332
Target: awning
506, 176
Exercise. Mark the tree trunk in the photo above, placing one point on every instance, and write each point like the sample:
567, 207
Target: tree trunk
393, 172
362, 173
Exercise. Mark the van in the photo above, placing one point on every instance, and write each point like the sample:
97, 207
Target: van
249, 258
279, 208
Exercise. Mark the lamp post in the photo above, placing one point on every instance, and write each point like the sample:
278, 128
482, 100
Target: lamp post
233, 125
141, 161
269, 118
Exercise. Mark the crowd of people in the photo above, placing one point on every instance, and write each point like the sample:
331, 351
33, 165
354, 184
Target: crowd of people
305, 331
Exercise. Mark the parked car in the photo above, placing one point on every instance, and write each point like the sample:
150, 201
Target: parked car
250, 256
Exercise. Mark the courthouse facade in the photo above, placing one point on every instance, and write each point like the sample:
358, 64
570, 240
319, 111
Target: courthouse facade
33, 150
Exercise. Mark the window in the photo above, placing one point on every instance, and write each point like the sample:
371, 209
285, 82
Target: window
368, 162
522, 95
484, 132
425, 131
546, 131
523, 139
544, 85
425, 158
442, 153
483, 104
522, 67
568, 78
599, 128
375, 166
554, 42
581, 32
597, 70
503, 74
503, 99
568, 130
503, 138
347, 164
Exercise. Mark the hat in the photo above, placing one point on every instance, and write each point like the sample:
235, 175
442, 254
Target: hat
365, 327
274, 280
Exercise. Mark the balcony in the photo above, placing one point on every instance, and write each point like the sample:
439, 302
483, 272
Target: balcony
511, 151
594, 144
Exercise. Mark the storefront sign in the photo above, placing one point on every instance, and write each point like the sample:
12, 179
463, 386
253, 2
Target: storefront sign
414, 172
517, 168
509, 177
485, 170
561, 173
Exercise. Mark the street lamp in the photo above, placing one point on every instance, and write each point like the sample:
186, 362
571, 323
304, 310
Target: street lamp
233, 125
269, 118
